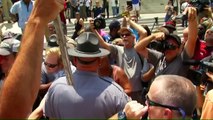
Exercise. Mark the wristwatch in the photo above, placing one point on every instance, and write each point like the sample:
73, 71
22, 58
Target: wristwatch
122, 115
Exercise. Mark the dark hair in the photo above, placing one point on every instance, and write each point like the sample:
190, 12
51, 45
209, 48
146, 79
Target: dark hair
147, 29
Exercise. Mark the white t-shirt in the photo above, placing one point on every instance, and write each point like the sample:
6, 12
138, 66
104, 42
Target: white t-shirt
184, 6
88, 3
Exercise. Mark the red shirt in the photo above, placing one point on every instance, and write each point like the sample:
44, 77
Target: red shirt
200, 50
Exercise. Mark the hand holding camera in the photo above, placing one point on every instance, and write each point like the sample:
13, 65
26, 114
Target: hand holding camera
159, 36
98, 23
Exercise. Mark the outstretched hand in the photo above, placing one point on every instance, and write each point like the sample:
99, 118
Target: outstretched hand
135, 110
159, 36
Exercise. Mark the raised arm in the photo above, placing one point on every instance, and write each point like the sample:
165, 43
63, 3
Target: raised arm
193, 31
141, 46
102, 43
141, 31
22, 84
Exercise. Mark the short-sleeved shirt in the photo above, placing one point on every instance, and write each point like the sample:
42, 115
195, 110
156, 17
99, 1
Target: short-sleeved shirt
130, 62
88, 3
135, 1
97, 11
90, 97
23, 12
176, 67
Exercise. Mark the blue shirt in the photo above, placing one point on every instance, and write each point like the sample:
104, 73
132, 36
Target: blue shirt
135, 1
91, 97
23, 12
135, 32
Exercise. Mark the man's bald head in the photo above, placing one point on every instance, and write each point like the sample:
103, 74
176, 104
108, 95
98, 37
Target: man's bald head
175, 91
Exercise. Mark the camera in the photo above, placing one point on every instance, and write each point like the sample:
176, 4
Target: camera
99, 22
198, 76
161, 45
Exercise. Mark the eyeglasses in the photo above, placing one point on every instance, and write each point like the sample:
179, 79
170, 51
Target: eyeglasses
125, 35
152, 103
50, 65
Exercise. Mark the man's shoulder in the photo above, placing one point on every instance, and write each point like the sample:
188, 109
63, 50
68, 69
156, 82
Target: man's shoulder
17, 3
59, 81
111, 82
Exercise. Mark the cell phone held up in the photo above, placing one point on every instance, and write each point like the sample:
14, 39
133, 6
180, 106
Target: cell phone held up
129, 4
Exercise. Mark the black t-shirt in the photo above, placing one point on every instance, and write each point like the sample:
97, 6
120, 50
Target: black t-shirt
97, 11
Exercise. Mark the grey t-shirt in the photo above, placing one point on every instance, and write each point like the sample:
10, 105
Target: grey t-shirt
90, 97
129, 60
176, 67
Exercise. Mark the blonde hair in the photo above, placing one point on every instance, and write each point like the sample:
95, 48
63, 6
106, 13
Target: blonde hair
55, 51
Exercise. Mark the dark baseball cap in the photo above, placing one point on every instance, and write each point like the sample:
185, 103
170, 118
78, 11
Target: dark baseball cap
114, 24
174, 37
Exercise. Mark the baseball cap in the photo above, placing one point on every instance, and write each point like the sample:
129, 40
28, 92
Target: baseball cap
174, 37
114, 24
9, 46
170, 24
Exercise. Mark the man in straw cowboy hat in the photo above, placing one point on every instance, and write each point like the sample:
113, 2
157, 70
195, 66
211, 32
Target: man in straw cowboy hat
91, 96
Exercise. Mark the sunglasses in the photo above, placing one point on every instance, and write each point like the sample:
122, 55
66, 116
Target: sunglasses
152, 103
125, 35
172, 47
50, 65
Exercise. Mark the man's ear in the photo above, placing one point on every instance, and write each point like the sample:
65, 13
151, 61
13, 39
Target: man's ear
168, 114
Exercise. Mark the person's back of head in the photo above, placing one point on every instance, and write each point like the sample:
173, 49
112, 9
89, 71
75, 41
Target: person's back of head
176, 93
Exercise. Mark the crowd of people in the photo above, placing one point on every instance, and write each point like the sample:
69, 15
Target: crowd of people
126, 73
